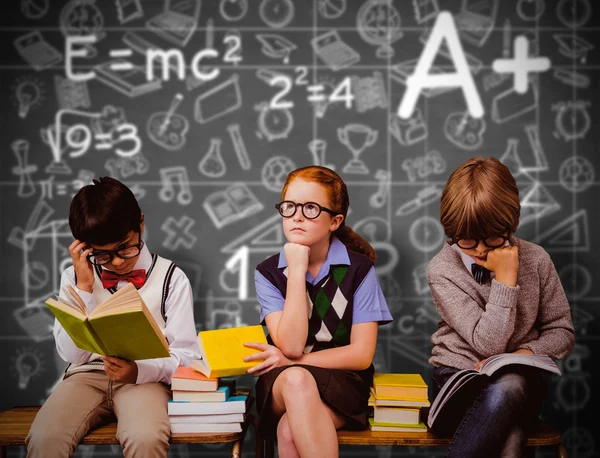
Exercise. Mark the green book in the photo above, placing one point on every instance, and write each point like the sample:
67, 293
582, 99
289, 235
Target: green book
120, 326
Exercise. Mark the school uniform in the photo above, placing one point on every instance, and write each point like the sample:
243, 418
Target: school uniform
86, 396
344, 293
481, 317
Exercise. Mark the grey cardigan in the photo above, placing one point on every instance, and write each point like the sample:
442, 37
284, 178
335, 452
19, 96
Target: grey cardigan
478, 321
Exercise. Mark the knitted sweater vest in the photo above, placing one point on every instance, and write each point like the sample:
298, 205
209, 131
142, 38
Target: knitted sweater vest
330, 302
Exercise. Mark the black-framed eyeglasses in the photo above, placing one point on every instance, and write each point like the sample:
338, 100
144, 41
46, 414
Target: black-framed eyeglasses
310, 210
495, 241
100, 258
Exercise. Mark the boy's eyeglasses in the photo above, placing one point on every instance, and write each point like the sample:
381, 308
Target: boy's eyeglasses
100, 258
495, 241
310, 210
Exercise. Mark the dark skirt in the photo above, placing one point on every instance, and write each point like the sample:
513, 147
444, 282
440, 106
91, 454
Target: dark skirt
345, 392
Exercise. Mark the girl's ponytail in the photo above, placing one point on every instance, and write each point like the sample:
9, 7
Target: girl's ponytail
355, 242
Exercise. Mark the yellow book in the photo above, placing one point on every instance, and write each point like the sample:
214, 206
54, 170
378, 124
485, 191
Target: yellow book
120, 326
390, 401
399, 386
397, 428
223, 351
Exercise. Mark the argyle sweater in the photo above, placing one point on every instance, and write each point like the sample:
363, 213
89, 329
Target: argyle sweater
330, 302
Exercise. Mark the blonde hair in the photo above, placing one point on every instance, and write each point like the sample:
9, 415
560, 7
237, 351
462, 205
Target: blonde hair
480, 199
337, 193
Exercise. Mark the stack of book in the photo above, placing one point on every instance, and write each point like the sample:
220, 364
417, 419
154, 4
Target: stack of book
204, 395
206, 405
397, 400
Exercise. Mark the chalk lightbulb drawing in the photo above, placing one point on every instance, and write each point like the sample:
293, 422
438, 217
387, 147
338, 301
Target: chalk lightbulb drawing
29, 93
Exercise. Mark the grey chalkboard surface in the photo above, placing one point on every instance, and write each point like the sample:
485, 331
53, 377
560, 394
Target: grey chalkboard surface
202, 107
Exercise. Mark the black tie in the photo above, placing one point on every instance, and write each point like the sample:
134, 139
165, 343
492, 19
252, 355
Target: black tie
480, 273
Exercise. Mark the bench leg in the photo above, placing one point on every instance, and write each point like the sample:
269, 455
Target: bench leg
260, 447
562, 451
269, 449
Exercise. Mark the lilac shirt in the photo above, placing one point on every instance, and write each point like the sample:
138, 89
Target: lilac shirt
369, 302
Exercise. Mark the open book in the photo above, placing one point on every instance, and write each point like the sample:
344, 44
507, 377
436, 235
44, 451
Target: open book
462, 378
120, 326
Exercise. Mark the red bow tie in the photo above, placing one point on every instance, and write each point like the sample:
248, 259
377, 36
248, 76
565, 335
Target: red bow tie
110, 279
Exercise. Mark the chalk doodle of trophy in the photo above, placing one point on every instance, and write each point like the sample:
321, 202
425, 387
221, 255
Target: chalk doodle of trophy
168, 129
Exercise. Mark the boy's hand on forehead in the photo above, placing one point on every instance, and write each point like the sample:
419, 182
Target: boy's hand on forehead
504, 261
296, 256
84, 271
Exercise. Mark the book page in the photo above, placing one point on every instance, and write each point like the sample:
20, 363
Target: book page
66, 308
76, 300
65, 300
452, 385
496, 362
122, 300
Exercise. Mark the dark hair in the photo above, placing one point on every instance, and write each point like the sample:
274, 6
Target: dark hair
480, 199
104, 212
337, 192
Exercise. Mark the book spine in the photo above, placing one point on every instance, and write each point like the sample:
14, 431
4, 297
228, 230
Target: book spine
97, 340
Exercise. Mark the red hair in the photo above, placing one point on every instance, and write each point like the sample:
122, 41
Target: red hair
337, 193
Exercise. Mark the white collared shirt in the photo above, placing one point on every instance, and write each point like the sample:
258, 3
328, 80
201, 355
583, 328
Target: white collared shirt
468, 261
180, 329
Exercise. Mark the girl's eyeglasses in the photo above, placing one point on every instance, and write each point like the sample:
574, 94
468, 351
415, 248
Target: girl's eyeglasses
310, 210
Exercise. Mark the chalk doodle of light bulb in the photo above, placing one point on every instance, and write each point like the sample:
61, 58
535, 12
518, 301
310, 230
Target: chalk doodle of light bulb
27, 364
28, 93
373, 229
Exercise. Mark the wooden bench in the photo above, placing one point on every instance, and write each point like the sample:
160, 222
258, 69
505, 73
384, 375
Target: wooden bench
544, 435
15, 424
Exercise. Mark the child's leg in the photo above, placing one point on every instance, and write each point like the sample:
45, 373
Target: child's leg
311, 423
511, 399
285, 442
514, 443
77, 404
143, 427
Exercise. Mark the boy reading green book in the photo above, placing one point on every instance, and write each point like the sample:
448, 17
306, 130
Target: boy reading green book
124, 302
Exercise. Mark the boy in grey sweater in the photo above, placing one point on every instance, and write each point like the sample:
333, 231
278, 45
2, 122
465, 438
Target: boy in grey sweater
495, 294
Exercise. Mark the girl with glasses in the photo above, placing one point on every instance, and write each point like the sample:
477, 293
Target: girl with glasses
322, 304
495, 294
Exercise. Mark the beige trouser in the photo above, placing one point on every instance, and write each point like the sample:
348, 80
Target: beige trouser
86, 399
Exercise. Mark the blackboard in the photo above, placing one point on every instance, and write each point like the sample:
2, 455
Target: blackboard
205, 139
